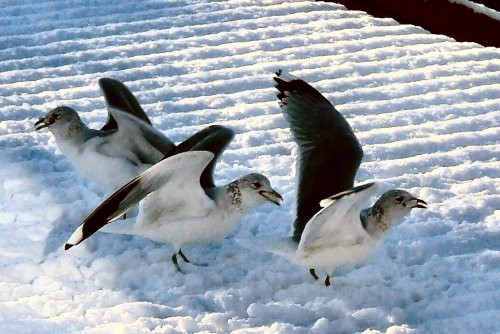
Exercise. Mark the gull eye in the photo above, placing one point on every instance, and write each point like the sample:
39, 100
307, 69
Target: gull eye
400, 199
256, 184
53, 117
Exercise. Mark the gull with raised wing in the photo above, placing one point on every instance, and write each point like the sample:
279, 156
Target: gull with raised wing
345, 232
179, 202
123, 148
331, 231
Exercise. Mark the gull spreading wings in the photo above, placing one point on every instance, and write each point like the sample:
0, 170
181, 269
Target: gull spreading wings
125, 146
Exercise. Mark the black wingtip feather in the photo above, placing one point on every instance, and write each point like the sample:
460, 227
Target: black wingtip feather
108, 208
67, 246
297, 87
119, 96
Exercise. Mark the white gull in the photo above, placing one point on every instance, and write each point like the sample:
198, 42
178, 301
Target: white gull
124, 147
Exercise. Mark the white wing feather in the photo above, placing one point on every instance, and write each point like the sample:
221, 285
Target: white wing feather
338, 224
179, 197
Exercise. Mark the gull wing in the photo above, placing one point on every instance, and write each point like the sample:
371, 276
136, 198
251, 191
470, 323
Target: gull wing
167, 176
329, 152
135, 139
338, 223
129, 123
118, 96
215, 139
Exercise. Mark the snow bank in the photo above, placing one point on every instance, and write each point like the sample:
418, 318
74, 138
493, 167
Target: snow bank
426, 109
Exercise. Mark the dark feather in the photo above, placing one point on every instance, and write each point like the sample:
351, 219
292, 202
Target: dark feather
329, 152
354, 190
158, 141
112, 207
121, 201
215, 139
118, 96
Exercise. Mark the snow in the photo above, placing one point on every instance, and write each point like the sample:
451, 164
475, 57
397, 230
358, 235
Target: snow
479, 8
426, 109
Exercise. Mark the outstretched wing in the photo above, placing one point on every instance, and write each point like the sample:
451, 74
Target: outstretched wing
127, 119
168, 176
215, 139
118, 96
135, 139
329, 152
338, 223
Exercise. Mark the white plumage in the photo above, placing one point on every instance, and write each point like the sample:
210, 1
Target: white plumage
126, 145
174, 208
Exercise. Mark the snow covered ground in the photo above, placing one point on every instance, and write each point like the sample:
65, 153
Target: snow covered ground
426, 109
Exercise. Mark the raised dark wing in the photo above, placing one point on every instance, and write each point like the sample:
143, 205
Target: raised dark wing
118, 96
125, 114
135, 139
329, 152
215, 139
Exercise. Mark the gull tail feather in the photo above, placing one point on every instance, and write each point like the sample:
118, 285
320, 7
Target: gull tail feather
122, 226
284, 247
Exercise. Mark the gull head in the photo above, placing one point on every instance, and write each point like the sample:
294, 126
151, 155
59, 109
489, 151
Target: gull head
59, 121
255, 189
393, 205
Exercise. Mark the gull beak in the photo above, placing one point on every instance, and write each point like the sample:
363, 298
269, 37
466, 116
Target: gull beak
272, 196
420, 204
42, 123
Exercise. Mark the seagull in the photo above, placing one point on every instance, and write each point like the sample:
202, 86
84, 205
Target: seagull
179, 203
343, 232
331, 231
123, 148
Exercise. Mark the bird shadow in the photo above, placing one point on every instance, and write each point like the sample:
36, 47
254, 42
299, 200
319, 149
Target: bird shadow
57, 236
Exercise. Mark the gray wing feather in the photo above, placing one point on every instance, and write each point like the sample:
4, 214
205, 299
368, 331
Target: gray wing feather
136, 136
157, 140
119, 97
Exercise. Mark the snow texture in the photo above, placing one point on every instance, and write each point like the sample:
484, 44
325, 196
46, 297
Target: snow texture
479, 8
425, 108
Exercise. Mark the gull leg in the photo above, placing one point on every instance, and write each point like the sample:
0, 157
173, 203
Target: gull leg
327, 280
174, 260
184, 257
312, 271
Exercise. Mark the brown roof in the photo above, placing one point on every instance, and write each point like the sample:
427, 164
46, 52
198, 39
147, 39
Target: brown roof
438, 16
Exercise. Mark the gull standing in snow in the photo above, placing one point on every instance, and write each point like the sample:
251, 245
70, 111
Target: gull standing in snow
331, 231
179, 202
123, 148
